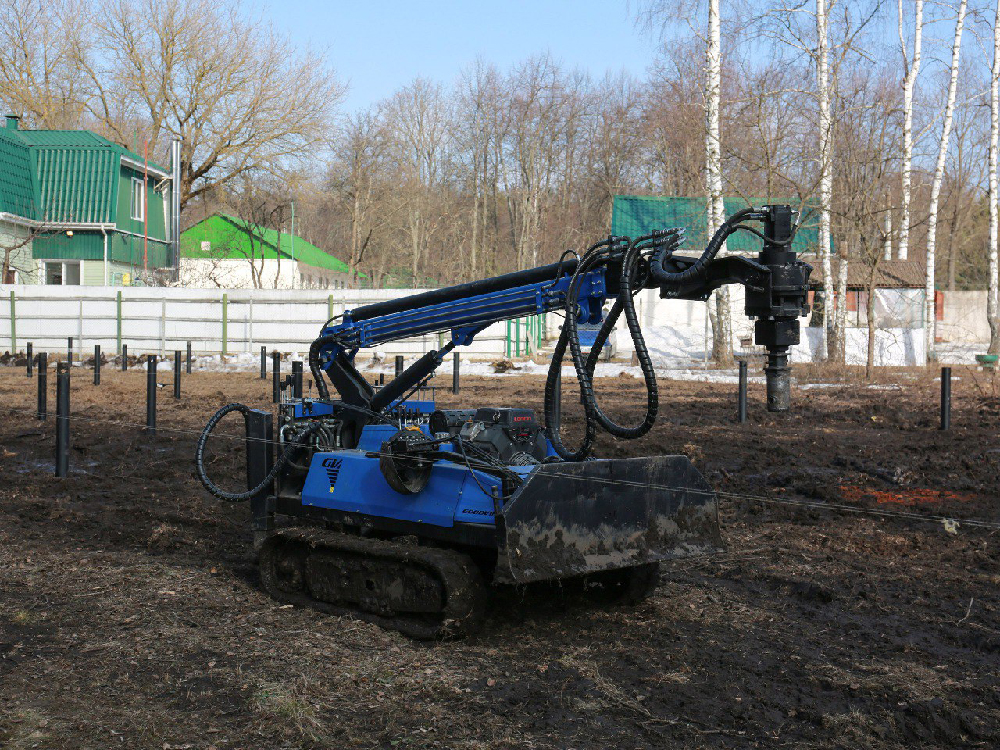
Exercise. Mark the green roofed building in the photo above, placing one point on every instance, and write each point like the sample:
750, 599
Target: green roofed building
76, 208
227, 252
636, 215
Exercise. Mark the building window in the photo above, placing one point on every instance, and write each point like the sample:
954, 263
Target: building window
58, 273
137, 202
54, 274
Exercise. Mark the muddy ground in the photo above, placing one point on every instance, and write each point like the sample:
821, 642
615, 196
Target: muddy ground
130, 613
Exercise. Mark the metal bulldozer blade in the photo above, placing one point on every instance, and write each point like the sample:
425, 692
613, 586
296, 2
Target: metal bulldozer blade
568, 519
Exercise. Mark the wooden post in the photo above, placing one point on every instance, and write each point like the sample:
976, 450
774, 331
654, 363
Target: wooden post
13, 324
225, 323
118, 315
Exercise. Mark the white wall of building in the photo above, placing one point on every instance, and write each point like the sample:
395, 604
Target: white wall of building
964, 318
21, 261
208, 273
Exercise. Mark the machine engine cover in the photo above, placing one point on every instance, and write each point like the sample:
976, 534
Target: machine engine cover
507, 432
574, 518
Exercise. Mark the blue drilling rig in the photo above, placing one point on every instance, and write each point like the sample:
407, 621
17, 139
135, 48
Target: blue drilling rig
402, 514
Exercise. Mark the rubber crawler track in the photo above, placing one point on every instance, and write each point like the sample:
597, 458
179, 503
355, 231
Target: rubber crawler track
456, 610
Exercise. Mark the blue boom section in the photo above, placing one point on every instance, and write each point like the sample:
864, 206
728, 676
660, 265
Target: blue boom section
468, 316
348, 481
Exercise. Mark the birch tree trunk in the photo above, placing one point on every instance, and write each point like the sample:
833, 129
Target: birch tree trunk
911, 70
722, 342
830, 334
887, 230
994, 267
930, 318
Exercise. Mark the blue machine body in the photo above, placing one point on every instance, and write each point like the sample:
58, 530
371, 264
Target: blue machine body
350, 481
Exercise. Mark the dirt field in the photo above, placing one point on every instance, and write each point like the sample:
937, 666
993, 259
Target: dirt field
130, 614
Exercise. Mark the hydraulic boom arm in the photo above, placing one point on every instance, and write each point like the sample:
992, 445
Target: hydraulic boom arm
618, 267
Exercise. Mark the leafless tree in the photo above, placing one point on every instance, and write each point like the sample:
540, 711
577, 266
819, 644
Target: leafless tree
237, 94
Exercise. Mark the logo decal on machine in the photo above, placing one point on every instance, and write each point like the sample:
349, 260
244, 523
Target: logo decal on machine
332, 466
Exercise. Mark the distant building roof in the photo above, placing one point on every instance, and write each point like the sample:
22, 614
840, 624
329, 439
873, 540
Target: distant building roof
229, 238
62, 176
636, 215
889, 274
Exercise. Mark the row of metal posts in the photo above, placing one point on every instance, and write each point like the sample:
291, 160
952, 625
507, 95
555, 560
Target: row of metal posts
63, 374
741, 401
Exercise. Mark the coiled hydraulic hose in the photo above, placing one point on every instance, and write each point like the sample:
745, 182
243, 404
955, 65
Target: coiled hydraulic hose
236, 497
589, 259
629, 285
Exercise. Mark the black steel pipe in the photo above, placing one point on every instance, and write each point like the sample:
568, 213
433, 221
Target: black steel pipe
263, 363
945, 398
399, 365
30, 359
276, 376
296, 379
124, 357
97, 364
177, 373
189, 359
151, 394
455, 374
741, 406
43, 377
69, 351
62, 421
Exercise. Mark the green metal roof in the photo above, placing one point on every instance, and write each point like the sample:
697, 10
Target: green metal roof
61, 176
229, 240
636, 215
77, 184
17, 188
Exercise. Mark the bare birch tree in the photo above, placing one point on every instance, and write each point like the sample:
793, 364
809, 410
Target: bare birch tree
825, 176
722, 342
911, 69
930, 318
992, 314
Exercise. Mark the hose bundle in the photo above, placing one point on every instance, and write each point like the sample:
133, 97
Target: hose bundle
294, 444
633, 274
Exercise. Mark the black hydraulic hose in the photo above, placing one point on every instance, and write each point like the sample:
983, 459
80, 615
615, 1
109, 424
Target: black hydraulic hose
625, 302
729, 226
314, 364
566, 336
235, 497
629, 285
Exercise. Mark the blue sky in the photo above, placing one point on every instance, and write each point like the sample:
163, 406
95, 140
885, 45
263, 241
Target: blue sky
380, 46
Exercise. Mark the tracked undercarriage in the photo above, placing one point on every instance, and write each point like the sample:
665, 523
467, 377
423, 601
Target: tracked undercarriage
423, 592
